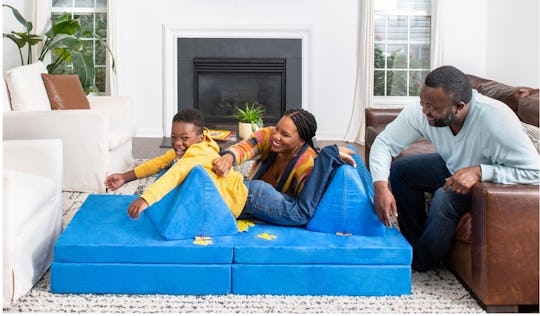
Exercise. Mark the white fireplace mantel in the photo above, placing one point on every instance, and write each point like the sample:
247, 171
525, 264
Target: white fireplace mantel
170, 68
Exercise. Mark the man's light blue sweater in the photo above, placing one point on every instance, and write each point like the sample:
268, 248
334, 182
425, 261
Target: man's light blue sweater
492, 136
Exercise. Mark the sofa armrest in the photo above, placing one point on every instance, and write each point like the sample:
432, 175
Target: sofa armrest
85, 138
42, 157
380, 117
504, 244
119, 108
376, 121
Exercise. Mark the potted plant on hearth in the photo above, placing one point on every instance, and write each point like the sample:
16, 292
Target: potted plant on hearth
250, 118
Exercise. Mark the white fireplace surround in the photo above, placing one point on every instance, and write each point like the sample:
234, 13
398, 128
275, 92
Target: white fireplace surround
170, 68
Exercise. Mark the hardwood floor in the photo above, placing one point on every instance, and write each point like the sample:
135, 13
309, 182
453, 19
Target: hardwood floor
146, 148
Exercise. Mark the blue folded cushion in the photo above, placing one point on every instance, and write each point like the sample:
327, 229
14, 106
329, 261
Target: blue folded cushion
347, 205
194, 208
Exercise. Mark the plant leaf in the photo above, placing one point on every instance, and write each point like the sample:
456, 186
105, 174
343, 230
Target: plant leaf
84, 67
20, 18
17, 40
66, 27
31, 39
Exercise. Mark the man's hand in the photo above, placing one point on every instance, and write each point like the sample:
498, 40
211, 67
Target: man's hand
463, 180
345, 154
385, 204
136, 208
223, 164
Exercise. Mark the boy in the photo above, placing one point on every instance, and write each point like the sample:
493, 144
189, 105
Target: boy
191, 146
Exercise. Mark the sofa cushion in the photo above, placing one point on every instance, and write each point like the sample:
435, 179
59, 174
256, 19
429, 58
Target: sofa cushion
65, 92
194, 208
528, 106
120, 133
534, 134
496, 90
421, 146
26, 88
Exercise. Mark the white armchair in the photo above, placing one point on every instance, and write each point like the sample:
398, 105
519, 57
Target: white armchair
96, 141
32, 212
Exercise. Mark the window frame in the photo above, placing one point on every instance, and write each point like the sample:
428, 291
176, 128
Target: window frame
399, 101
73, 10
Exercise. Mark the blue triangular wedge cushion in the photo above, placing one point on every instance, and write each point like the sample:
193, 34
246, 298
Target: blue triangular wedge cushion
347, 205
194, 208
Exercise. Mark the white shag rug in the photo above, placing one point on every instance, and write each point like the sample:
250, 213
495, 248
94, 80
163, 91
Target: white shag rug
435, 291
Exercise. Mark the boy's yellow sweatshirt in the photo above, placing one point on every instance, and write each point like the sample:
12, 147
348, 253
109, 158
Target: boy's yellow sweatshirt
232, 188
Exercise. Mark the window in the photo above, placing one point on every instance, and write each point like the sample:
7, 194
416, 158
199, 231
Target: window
402, 41
92, 15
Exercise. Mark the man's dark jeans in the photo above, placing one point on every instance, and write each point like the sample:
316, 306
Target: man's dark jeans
431, 235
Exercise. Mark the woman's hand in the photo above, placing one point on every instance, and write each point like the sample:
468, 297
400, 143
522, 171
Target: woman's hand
136, 208
346, 155
223, 164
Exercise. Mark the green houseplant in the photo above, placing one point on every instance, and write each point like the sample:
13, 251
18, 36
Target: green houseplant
64, 39
250, 118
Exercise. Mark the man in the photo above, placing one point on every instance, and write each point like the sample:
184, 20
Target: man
477, 139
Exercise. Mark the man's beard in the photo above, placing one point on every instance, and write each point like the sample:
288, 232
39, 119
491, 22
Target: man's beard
449, 119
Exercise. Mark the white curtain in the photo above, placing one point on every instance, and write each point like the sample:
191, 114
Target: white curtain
437, 33
41, 21
112, 74
363, 90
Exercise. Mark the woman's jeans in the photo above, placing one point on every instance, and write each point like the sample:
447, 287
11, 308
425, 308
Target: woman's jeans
431, 235
266, 203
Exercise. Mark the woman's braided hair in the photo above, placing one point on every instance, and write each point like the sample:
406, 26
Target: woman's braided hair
305, 124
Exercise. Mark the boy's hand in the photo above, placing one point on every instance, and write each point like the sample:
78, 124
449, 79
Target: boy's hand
114, 181
136, 208
223, 165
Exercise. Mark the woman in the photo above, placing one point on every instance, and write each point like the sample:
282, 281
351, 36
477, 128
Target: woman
279, 189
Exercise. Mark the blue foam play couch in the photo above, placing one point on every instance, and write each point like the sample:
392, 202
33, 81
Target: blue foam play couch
344, 250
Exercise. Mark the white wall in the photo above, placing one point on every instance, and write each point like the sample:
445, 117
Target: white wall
9, 49
334, 43
513, 42
464, 35
497, 39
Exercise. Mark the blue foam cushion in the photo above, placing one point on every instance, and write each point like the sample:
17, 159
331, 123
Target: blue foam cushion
295, 261
194, 208
129, 278
347, 205
102, 232
309, 279
295, 245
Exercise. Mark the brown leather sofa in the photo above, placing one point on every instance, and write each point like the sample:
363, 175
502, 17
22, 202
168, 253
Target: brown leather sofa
495, 252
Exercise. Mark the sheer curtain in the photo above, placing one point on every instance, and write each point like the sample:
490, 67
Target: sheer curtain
41, 20
363, 89
112, 72
363, 92
437, 36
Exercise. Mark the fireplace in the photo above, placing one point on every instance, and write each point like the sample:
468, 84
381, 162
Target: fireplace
222, 84
217, 74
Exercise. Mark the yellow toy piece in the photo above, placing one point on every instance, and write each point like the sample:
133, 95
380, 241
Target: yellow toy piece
243, 225
267, 236
203, 241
